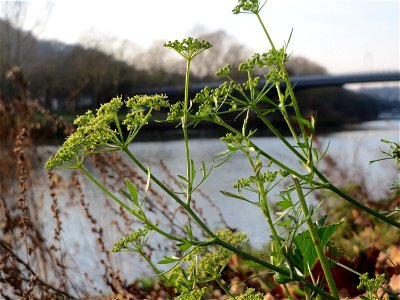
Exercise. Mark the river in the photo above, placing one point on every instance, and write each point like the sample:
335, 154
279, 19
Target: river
352, 149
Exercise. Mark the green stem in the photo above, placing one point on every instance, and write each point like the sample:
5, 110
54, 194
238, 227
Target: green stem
287, 81
266, 155
107, 192
307, 294
221, 242
285, 114
185, 134
298, 116
326, 183
135, 213
272, 267
353, 201
316, 240
278, 134
218, 280
287, 292
164, 233
170, 193
264, 201
155, 269
267, 214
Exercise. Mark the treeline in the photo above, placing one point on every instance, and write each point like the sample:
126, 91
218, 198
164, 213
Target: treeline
73, 78
57, 70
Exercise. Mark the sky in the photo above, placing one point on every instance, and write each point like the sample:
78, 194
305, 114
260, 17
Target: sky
343, 36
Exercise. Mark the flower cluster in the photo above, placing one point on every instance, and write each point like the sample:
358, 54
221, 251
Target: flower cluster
137, 239
138, 106
371, 286
273, 60
250, 64
272, 57
250, 294
211, 99
265, 60
96, 130
268, 176
193, 294
188, 47
175, 112
224, 71
93, 130
251, 84
252, 6
204, 263
212, 263
231, 138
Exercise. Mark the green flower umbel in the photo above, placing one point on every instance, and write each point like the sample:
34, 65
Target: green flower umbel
249, 6
102, 131
92, 132
189, 47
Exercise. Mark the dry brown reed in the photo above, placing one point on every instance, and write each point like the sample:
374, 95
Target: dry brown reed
27, 261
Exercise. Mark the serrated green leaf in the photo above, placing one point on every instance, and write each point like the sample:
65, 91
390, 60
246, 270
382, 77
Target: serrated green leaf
183, 178
231, 148
203, 168
285, 203
126, 194
316, 155
305, 244
169, 260
229, 194
184, 246
282, 279
132, 191
321, 221
326, 150
188, 228
305, 122
285, 223
296, 259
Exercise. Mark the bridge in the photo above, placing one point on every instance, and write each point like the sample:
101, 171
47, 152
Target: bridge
300, 82
340, 80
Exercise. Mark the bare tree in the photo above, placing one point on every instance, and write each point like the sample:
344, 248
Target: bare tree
298, 65
225, 50
17, 45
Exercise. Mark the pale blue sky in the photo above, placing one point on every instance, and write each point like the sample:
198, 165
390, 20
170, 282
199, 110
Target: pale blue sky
344, 36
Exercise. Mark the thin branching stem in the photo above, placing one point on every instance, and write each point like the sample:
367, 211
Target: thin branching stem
185, 134
222, 243
272, 267
353, 201
316, 240
287, 81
